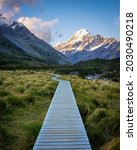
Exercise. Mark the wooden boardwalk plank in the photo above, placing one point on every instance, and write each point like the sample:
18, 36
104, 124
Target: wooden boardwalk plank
62, 127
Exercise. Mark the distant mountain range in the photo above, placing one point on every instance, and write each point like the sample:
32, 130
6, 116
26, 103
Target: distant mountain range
83, 46
18, 46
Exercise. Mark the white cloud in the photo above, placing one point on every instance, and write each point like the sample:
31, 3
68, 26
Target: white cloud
39, 27
15, 3
8, 14
9, 8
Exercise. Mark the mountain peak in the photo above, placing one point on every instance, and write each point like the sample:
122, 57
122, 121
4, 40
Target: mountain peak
82, 32
98, 36
19, 42
3, 20
80, 36
84, 46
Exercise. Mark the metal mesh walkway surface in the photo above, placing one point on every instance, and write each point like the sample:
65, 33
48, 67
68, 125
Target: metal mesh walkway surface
63, 127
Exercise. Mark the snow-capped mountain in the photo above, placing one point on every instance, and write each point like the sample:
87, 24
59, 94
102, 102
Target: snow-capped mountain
84, 46
16, 42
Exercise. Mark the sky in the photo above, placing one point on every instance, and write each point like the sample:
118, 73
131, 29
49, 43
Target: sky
56, 20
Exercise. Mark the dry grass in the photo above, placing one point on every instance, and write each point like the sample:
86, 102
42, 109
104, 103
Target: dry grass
99, 105
24, 100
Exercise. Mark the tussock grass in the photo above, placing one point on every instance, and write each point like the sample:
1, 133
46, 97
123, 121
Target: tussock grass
20, 89
31, 130
114, 144
2, 107
25, 97
4, 93
98, 102
24, 100
15, 101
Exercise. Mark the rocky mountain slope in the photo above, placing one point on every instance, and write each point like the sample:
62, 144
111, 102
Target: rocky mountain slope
19, 46
83, 46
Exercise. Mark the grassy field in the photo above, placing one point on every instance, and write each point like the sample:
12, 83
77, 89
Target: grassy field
24, 100
99, 105
25, 97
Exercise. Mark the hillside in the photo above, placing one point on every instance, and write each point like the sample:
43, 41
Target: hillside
19, 47
107, 69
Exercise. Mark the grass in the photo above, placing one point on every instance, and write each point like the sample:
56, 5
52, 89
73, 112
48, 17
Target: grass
25, 97
24, 100
98, 102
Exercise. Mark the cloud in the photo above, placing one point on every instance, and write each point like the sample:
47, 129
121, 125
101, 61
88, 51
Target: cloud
9, 14
39, 27
11, 7
15, 3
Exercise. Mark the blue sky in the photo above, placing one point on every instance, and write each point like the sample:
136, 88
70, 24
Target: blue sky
98, 16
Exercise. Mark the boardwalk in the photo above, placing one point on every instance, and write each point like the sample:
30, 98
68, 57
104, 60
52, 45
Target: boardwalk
63, 127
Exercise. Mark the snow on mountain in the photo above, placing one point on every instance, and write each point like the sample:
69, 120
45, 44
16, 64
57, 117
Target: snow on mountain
84, 46
23, 39
4, 21
77, 42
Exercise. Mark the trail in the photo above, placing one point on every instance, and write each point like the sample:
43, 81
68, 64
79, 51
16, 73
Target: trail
62, 127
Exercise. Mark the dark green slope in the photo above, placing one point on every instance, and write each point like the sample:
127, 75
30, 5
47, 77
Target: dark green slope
12, 56
109, 69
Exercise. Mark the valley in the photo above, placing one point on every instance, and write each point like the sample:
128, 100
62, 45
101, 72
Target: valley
90, 62
25, 97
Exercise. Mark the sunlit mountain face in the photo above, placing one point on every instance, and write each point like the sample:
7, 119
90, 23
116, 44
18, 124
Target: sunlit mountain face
84, 46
